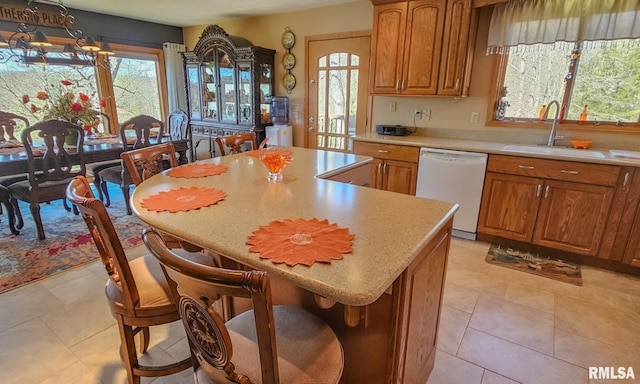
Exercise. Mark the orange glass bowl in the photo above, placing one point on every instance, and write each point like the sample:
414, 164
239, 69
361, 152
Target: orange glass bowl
581, 144
275, 160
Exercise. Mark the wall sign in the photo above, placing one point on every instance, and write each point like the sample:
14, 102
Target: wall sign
16, 13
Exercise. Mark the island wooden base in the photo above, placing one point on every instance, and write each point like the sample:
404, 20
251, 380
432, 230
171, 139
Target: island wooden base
394, 340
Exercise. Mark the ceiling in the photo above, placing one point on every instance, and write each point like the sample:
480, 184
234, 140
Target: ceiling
185, 13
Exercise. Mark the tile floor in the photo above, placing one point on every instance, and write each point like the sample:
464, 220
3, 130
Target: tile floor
497, 326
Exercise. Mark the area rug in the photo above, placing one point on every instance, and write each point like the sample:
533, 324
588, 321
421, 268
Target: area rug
68, 244
535, 264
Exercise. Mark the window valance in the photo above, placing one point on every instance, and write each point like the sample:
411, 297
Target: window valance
526, 22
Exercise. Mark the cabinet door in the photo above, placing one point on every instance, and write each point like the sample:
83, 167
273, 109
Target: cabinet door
193, 84
423, 43
228, 97
454, 48
389, 22
509, 206
245, 94
375, 172
573, 216
632, 252
400, 176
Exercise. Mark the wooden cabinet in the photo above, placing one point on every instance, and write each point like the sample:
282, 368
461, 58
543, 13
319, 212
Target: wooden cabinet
555, 204
393, 168
356, 176
229, 85
421, 47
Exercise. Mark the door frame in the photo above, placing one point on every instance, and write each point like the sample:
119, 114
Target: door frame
333, 36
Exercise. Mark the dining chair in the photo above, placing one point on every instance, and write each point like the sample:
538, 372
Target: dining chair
136, 290
93, 169
229, 145
267, 344
8, 122
135, 133
178, 129
143, 163
51, 167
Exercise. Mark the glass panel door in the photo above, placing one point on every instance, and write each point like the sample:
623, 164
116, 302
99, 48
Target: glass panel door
266, 74
227, 88
244, 93
209, 89
194, 91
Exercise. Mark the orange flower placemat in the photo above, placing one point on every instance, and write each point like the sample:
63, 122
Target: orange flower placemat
300, 241
183, 199
194, 170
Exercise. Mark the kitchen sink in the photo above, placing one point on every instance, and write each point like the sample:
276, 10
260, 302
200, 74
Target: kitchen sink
545, 150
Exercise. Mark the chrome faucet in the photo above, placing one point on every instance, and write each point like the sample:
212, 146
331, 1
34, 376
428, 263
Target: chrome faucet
554, 125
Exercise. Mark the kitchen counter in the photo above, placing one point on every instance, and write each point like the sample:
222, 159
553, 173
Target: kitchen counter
389, 228
538, 151
383, 299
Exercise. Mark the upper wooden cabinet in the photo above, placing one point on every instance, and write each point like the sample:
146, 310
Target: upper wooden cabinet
421, 47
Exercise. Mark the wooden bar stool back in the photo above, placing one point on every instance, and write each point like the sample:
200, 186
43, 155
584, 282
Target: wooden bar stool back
229, 145
268, 344
137, 291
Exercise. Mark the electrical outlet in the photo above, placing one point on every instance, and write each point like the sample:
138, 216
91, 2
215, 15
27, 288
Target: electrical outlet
426, 114
474, 117
393, 106
417, 114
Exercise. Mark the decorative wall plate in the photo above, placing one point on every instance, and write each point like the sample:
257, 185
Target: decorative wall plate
288, 61
289, 81
288, 39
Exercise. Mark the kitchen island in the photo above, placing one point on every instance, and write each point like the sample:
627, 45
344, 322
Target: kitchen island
383, 299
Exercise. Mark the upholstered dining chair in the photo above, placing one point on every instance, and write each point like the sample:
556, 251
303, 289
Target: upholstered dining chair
51, 167
268, 344
136, 290
229, 145
135, 133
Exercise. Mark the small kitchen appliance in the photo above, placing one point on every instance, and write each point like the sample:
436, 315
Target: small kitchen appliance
393, 130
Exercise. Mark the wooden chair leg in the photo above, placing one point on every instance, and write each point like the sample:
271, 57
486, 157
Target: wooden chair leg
96, 183
144, 339
66, 205
125, 192
35, 212
105, 192
12, 217
128, 351
16, 209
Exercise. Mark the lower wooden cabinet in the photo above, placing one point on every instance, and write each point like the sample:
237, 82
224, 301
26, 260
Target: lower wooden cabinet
559, 214
394, 167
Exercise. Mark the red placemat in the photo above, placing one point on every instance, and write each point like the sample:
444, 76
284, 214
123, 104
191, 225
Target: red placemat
301, 241
183, 199
194, 170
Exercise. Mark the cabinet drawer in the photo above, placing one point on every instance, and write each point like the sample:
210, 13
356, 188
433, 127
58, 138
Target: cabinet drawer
387, 151
598, 174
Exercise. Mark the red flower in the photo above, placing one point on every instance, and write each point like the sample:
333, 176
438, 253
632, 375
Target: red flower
66, 82
42, 95
84, 97
34, 108
103, 103
88, 127
76, 107
25, 99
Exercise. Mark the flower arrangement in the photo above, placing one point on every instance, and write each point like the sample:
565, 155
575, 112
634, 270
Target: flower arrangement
62, 103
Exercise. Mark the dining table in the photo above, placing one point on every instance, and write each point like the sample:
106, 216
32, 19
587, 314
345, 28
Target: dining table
13, 159
371, 263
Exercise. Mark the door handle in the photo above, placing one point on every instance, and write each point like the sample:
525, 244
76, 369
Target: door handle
382, 151
546, 192
538, 190
626, 179
570, 172
525, 167
457, 86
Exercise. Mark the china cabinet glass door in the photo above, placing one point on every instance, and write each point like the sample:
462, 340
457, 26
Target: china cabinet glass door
227, 87
194, 91
209, 89
244, 93
266, 79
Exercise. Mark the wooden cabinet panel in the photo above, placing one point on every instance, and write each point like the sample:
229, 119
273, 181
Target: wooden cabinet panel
422, 43
356, 176
509, 206
400, 176
454, 47
393, 168
389, 22
408, 56
573, 216
387, 151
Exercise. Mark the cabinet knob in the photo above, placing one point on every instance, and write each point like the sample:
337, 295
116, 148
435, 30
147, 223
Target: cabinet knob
312, 81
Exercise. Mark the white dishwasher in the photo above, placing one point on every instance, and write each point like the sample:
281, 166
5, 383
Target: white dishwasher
457, 177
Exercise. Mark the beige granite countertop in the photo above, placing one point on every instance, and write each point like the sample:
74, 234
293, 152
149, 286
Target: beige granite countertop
390, 228
631, 158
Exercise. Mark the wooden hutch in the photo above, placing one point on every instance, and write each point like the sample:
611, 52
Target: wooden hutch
229, 85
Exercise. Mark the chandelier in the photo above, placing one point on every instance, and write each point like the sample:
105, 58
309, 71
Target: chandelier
29, 45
